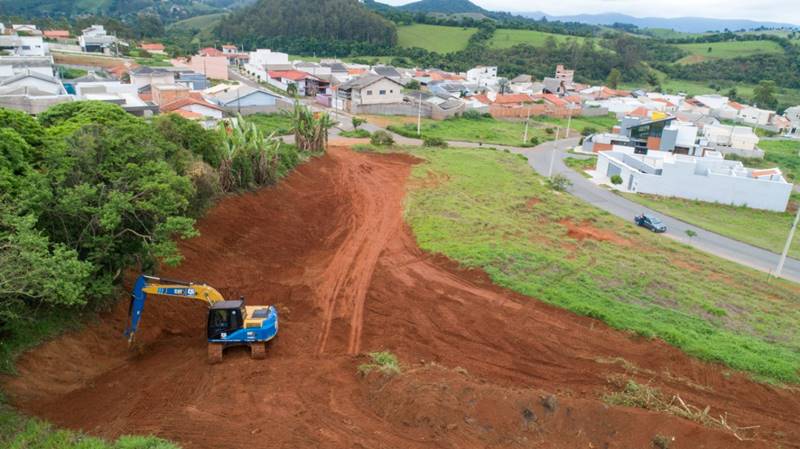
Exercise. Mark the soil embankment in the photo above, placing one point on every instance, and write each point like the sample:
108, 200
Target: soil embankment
329, 247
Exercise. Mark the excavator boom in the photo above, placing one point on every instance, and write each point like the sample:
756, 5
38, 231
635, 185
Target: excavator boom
150, 285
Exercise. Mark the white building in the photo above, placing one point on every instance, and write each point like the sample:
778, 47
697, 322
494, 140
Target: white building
261, 59
95, 39
793, 115
24, 45
755, 116
32, 92
145, 76
483, 76
712, 101
16, 65
709, 178
741, 137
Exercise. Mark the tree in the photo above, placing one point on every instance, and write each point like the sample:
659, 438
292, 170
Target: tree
413, 85
190, 137
357, 121
503, 84
310, 129
613, 78
764, 95
291, 90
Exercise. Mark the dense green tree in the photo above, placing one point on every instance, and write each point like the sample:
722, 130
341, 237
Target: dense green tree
613, 78
190, 137
764, 95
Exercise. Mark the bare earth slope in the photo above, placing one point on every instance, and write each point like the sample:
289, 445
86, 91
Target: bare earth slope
330, 248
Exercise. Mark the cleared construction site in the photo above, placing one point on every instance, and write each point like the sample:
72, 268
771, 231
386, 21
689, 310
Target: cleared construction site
482, 367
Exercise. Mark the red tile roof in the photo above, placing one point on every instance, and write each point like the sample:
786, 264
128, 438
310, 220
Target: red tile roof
56, 33
186, 101
482, 98
152, 47
294, 75
229, 46
554, 99
735, 105
766, 172
512, 99
191, 115
641, 111
210, 51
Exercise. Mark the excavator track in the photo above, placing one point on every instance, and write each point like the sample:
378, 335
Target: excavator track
258, 350
215, 352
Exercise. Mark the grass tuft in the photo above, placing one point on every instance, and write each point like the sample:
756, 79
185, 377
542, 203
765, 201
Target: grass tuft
383, 361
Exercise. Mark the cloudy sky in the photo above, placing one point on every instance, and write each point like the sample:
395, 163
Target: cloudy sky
770, 10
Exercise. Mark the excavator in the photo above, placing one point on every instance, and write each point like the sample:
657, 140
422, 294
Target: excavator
230, 322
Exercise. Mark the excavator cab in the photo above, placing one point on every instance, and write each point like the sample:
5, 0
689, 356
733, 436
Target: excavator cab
225, 318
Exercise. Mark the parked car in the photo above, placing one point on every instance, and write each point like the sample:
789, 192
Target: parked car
650, 222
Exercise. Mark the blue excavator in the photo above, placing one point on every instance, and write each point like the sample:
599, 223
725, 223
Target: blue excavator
230, 322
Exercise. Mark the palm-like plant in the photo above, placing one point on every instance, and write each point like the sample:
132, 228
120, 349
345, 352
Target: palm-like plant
310, 129
248, 157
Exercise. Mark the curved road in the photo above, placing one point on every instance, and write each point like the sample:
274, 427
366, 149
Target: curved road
761, 259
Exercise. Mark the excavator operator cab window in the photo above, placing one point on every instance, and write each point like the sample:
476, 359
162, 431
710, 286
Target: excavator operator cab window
225, 318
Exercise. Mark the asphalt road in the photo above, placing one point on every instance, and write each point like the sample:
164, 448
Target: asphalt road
540, 158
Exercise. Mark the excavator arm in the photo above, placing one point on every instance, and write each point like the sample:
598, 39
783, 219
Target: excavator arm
154, 286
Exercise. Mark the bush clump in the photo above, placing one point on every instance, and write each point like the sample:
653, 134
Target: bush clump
429, 141
616, 180
383, 361
381, 138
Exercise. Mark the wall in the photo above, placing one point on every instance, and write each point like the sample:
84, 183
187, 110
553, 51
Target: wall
679, 180
214, 67
394, 93
32, 105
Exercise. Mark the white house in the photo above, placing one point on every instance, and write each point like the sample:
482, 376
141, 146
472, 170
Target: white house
16, 65
709, 178
483, 76
145, 76
755, 116
26, 28
712, 101
741, 137
793, 115
261, 58
24, 45
369, 90
243, 99
95, 39
32, 92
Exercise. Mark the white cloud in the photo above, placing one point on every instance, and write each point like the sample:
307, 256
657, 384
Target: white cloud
765, 10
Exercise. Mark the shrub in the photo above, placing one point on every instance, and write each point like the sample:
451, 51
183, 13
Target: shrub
588, 131
559, 182
549, 131
358, 133
534, 140
381, 137
429, 141
383, 361
472, 115
357, 121
616, 180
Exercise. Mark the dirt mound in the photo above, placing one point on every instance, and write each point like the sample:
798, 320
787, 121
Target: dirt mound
328, 246
586, 230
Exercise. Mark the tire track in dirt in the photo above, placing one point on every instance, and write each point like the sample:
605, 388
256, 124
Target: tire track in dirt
328, 246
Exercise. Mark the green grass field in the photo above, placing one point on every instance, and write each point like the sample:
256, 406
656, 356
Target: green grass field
491, 131
482, 216
441, 39
280, 124
786, 96
726, 50
782, 153
504, 38
17, 432
760, 228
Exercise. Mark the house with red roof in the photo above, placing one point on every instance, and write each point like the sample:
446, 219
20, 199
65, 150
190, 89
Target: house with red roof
194, 108
307, 84
56, 34
154, 48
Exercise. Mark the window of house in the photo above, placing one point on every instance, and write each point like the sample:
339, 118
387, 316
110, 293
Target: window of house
391, 91
369, 92
382, 92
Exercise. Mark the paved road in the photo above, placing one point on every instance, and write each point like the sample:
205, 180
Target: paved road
540, 158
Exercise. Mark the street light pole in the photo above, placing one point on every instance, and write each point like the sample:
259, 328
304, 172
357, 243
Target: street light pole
788, 244
569, 121
419, 115
553, 154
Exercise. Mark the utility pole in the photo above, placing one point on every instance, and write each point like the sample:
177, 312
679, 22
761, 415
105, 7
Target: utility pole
569, 121
788, 244
419, 115
527, 119
553, 154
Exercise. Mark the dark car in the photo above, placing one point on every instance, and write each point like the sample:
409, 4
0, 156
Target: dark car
650, 222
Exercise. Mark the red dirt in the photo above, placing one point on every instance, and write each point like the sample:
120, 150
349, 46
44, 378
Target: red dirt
328, 246
585, 230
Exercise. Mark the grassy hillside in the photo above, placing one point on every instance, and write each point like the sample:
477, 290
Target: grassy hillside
726, 50
504, 38
493, 212
441, 39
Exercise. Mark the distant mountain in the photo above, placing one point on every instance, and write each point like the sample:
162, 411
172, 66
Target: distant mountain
443, 7
684, 24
